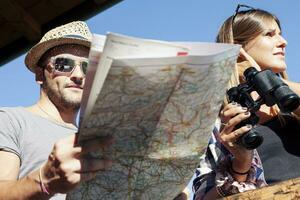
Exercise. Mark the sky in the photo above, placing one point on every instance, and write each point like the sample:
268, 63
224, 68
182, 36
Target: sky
170, 20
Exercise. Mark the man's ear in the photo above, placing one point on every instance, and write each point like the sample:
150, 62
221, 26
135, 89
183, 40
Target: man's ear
39, 75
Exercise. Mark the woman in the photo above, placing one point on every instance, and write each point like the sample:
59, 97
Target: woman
227, 167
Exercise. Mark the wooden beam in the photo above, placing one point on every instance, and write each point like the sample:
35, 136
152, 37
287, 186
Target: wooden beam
107, 3
20, 20
289, 189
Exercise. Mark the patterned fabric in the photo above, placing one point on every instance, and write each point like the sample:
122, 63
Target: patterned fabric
213, 170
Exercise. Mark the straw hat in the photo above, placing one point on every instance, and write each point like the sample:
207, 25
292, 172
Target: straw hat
72, 33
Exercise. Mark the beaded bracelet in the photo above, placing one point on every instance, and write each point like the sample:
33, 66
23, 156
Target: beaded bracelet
43, 187
220, 191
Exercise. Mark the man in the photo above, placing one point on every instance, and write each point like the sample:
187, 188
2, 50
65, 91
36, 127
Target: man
39, 155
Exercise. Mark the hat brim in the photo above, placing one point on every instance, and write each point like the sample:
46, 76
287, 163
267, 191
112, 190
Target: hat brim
34, 55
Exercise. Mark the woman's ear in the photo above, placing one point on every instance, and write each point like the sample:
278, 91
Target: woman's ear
39, 75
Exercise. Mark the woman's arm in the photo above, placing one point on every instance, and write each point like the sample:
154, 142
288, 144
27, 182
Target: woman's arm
228, 168
211, 163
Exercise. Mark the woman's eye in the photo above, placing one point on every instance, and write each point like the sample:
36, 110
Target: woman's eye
270, 34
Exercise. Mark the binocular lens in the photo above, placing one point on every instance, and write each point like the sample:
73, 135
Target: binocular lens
251, 140
286, 99
289, 103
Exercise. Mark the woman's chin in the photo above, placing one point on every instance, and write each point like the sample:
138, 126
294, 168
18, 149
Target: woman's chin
276, 69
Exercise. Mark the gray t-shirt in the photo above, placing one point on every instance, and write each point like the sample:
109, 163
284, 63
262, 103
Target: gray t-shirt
30, 137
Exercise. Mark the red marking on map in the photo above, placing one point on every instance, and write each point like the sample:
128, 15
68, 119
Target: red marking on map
182, 53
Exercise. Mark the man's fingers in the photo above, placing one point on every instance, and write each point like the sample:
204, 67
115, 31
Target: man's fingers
90, 165
87, 176
76, 178
94, 145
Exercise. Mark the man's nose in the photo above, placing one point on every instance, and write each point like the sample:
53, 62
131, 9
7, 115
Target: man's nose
77, 75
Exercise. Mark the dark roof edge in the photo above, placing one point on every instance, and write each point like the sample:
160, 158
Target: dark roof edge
83, 11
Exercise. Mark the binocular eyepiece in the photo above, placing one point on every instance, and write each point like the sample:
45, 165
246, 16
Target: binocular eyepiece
271, 89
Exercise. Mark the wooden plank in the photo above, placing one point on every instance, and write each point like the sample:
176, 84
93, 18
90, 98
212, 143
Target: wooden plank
286, 190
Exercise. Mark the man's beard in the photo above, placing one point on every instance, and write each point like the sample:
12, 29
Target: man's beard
61, 100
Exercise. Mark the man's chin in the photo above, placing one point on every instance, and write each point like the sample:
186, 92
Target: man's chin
72, 104
72, 101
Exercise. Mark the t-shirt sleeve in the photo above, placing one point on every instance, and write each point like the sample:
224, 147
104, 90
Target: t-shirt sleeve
9, 140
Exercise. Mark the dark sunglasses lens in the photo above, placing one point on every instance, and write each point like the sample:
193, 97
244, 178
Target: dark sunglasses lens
64, 64
84, 66
243, 8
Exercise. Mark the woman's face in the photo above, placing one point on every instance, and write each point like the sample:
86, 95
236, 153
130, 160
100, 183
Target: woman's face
268, 49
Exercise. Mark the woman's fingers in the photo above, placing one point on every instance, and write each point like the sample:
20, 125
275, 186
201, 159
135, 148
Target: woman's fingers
230, 111
230, 125
247, 57
236, 134
232, 115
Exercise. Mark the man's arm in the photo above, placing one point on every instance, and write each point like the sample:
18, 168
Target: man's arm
9, 166
65, 168
12, 188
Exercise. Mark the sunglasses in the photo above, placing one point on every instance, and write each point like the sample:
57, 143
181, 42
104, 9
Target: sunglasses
241, 8
65, 66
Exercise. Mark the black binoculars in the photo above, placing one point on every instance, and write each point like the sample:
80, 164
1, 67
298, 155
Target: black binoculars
271, 90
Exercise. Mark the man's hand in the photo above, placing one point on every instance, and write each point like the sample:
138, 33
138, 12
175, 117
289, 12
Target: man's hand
67, 166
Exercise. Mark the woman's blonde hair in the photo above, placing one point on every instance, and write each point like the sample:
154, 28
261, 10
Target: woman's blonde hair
242, 28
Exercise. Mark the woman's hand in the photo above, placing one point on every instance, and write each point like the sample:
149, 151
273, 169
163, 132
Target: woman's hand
231, 115
246, 58
244, 62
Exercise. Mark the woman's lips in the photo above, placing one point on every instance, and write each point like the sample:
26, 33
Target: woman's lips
279, 53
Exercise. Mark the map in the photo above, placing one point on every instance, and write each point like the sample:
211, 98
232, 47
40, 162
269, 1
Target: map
161, 113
